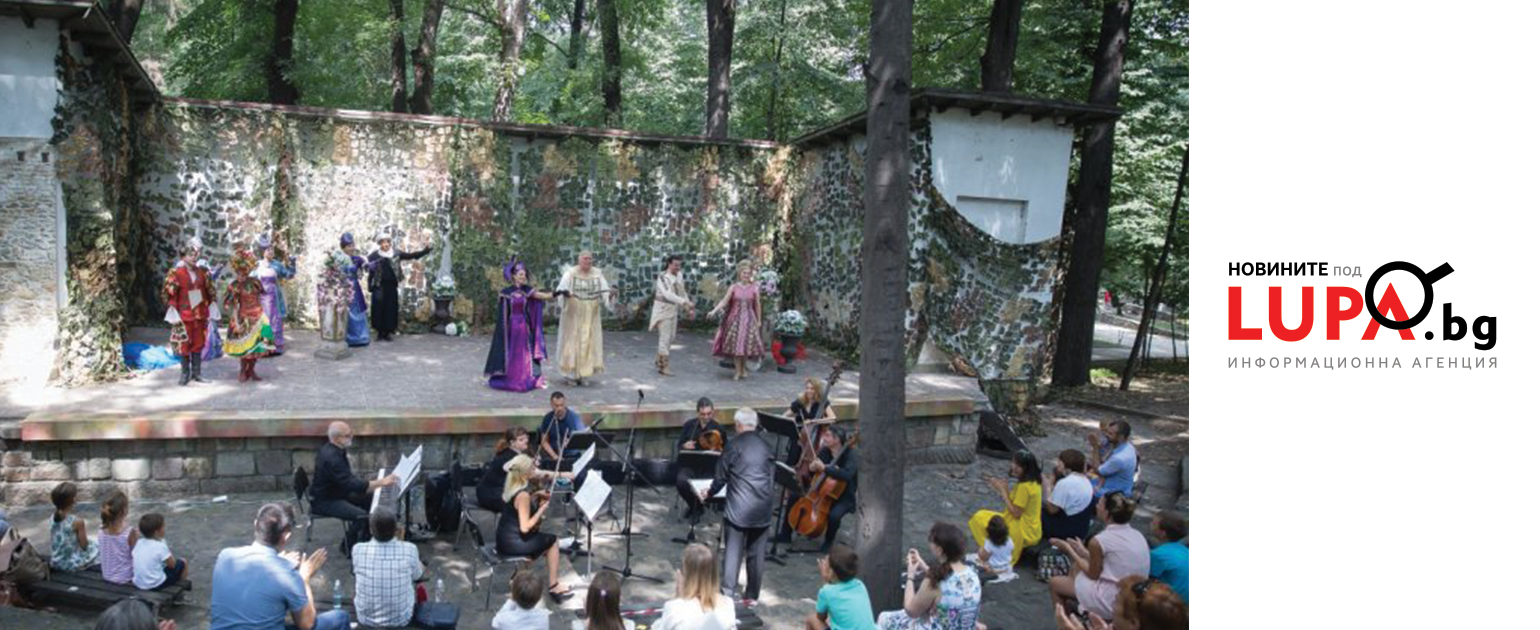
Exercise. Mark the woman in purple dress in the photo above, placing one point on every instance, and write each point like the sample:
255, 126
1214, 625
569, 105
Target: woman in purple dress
738, 337
518, 343
270, 271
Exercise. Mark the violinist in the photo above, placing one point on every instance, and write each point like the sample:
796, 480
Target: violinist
701, 433
845, 469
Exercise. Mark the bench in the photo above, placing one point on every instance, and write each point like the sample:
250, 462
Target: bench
88, 590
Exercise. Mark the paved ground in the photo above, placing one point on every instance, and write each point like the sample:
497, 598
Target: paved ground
432, 371
1114, 342
199, 528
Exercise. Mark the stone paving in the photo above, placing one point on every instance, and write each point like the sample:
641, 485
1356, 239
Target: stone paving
199, 527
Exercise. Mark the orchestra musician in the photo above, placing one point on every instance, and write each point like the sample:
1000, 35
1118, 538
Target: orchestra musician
692, 437
812, 414
747, 470
844, 469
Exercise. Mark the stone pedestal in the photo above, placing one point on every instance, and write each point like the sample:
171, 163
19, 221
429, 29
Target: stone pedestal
334, 346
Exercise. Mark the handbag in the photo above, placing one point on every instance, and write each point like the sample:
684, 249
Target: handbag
20, 563
436, 615
1052, 563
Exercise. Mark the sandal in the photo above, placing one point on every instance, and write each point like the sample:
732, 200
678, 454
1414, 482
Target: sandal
559, 597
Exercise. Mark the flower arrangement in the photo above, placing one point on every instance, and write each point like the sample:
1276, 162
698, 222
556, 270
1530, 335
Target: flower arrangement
444, 286
334, 288
790, 323
769, 282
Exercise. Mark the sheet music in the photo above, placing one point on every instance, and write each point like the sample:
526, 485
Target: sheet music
702, 485
407, 469
582, 462
590, 498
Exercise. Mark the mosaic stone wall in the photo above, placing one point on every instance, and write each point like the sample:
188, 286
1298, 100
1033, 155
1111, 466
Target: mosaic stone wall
28, 255
227, 174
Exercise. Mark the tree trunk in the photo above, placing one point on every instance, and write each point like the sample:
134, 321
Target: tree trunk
1077, 319
575, 41
609, 23
398, 85
772, 122
422, 57
1152, 301
513, 21
884, 276
124, 15
720, 17
1000, 52
280, 89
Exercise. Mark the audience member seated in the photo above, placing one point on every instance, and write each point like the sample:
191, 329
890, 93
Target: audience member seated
1067, 511
1117, 552
256, 587
489, 489
518, 524
993, 559
1115, 470
523, 610
1143, 604
155, 567
116, 540
949, 596
1023, 508
336, 491
131, 614
602, 609
383, 572
1168, 560
843, 602
72, 550
698, 602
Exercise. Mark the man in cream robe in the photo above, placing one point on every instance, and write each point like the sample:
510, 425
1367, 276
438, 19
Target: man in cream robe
669, 297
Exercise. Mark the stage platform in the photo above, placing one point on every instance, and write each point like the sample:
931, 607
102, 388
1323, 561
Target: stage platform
430, 384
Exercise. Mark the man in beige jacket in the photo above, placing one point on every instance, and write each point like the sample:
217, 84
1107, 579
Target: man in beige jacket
669, 297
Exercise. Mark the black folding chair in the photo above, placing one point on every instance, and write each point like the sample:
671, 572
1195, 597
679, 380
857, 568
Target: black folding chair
488, 554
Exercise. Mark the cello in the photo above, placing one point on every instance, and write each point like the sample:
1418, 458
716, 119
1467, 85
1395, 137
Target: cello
809, 449
810, 514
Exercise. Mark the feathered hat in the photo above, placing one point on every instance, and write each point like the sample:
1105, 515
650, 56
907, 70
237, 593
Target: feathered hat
242, 262
347, 239
512, 268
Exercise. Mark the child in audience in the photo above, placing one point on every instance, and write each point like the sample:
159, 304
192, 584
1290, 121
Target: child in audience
116, 540
523, 611
71, 549
698, 602
154, 566
603, 605
843, 603
993, 559
1168, 560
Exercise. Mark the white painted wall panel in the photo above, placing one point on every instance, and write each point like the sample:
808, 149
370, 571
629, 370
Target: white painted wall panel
29, 86
988, 168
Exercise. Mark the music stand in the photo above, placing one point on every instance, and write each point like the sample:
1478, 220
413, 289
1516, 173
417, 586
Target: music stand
581, 442
786, 478
629, 476
697, 463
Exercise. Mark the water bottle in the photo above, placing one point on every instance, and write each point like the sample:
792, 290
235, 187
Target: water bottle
438, 590
337, 594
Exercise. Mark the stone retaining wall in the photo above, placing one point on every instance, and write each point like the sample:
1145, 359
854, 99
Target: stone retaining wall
164, 469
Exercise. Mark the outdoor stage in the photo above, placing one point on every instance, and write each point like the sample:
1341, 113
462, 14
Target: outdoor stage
419, 389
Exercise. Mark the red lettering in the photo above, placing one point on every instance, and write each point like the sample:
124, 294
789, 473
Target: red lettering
1237, 331
1334, 315
1275, 313
1390, 305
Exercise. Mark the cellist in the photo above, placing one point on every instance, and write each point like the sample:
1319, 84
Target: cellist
813, 414
846, 469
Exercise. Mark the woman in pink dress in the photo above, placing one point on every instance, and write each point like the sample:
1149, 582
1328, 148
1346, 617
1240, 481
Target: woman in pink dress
738, 337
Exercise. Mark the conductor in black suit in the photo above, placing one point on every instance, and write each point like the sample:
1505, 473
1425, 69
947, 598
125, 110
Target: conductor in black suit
747, 470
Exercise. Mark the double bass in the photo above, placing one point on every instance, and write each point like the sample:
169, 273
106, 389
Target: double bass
804, 465
809, 516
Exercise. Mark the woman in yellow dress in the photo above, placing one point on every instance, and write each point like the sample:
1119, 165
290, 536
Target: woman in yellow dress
1023, 505
583, 294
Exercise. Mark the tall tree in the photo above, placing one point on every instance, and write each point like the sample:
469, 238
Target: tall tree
575, 40
1152, 298
609, 23
398, 86
1093, 190
720, 18
125, 16
1000, 50
423, 57
884, 276
512, 22
280, 89
772, 122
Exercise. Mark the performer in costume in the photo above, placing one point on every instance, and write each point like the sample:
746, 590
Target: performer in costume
358, 310
384, 282
249, 335
738, 338
518, 343
270, 270
580, 340
668, 297
215, 346
189, 296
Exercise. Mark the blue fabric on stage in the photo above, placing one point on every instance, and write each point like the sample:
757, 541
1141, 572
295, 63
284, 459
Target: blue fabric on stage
143, 356
358, 311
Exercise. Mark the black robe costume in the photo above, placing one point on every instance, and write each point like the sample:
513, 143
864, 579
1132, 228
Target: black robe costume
384, 280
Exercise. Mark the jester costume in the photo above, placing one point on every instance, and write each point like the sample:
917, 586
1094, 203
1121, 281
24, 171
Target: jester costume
189, 296
518, 343
249, 335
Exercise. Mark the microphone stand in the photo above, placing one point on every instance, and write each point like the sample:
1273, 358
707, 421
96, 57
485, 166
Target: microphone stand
628, 474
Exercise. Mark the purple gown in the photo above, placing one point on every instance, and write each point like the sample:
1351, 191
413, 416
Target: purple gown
518, 343
269, 273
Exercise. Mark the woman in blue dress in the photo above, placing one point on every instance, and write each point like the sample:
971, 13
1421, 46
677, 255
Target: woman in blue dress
270, 270
518, 343
358, 311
